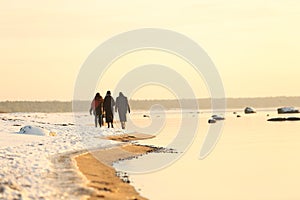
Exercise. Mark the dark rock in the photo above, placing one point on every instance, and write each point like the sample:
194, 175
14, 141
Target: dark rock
249, 110
212, 121
218, 117
277, 119
280, 119
238, 116
293, 119
285, 110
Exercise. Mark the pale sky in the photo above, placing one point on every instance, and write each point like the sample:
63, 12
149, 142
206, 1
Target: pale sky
254, 44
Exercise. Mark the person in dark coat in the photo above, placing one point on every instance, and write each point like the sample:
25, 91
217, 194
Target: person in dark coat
97, 109
122, 107
108, 106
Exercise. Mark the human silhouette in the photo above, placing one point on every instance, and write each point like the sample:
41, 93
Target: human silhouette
122, 107
97, 109
108, 106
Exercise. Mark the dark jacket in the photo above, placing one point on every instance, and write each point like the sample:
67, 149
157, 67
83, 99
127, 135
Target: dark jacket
108, 107
97, 106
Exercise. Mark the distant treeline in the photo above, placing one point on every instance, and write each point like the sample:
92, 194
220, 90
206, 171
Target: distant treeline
59, 106
35, 106
258, 102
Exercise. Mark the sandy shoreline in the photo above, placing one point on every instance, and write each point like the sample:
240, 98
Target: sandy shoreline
97, 168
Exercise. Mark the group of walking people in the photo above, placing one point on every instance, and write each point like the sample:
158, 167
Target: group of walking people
104, 108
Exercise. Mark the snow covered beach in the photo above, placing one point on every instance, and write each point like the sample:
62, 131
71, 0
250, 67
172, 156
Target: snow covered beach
31, 165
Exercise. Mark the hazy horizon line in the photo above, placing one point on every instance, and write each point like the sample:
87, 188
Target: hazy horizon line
163, 99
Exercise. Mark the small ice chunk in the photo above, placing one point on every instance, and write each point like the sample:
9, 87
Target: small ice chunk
33, 130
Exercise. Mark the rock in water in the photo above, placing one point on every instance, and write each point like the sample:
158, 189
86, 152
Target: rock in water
277, 119
249, 110
218, 117
280, 119
293, 119
284, 110
212, 121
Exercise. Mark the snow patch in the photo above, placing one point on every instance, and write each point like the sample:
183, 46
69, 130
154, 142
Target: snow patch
33, 130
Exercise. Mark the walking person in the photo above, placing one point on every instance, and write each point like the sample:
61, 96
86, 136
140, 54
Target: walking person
122, 106
97, 109
108, 106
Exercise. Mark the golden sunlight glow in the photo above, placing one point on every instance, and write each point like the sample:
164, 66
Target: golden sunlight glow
254, 44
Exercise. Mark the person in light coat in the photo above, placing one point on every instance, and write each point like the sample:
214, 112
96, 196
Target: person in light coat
122, 107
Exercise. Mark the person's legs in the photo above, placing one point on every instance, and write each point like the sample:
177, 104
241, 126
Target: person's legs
109, 119
96, 120
123, 125
100, 120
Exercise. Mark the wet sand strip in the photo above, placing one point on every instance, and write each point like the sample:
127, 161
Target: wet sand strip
97, 167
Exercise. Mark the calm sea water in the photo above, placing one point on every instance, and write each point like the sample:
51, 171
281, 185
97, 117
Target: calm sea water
253, 159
